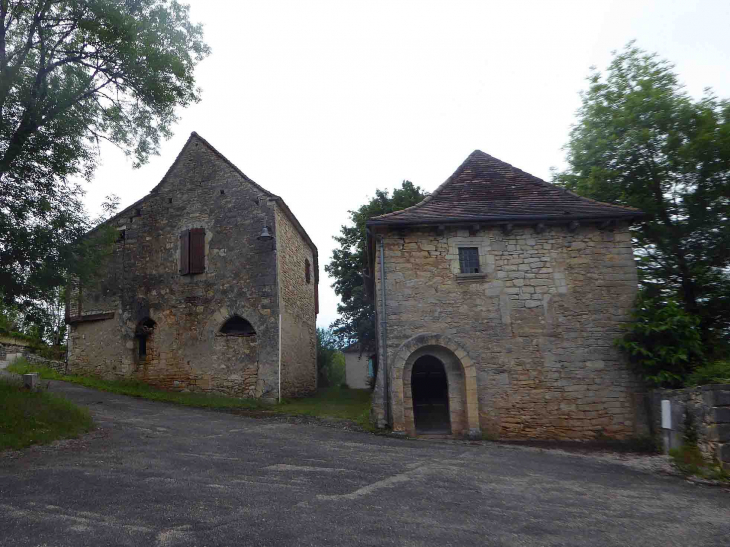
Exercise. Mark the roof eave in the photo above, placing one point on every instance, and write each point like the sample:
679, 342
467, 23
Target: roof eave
509, 219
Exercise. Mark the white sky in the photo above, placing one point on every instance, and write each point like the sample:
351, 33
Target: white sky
323, 102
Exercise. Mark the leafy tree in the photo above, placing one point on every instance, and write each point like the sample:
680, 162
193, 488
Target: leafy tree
330, 360
642, 141
74, 73
663, 342
357, 321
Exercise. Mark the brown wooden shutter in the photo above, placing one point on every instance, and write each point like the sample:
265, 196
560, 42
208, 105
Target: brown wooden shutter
197, 250
185, 252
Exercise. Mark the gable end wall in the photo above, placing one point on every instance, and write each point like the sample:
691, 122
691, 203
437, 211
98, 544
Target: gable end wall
142, 279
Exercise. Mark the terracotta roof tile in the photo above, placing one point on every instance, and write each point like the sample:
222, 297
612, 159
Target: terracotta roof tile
486, 189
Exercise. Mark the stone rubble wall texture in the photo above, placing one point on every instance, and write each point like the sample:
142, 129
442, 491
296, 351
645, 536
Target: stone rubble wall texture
298, 321
709, 410
186, 350
538, 324
53, 364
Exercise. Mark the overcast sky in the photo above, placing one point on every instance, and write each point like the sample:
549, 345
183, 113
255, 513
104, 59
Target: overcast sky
323, 102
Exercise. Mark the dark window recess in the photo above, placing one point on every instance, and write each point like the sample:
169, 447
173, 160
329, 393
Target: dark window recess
238, 326
138, 212
122, 235
192, 251
169, 200
469, 259
145, 329
307, 272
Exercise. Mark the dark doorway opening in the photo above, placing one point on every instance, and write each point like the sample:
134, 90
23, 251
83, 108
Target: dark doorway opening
143, 334
430, 392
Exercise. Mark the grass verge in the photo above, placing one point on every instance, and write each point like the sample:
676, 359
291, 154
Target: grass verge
689, 461
348, 404
28, 418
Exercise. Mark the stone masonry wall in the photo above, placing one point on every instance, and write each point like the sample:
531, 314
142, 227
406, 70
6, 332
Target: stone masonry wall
298, 322
142, 280
709, 410
539, 322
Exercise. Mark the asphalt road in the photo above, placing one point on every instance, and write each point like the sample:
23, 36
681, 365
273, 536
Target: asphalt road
162, 475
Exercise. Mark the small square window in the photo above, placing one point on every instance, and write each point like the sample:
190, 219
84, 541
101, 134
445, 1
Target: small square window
469, 259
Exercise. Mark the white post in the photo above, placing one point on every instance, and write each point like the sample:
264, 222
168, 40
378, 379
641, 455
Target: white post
667, 424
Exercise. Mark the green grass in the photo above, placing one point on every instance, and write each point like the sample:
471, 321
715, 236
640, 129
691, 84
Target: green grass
28, 418
690, 462
348, 404
334, 402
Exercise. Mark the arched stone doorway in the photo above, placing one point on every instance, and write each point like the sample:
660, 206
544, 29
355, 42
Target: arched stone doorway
460, 371
430, 394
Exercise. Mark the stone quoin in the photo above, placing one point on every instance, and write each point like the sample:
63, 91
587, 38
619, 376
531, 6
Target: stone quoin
503, 296
191, 298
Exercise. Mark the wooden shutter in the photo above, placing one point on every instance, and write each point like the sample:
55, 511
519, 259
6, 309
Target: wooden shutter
197, 250
185, 252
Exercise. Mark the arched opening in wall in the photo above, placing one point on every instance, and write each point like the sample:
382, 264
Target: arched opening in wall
430, 392
235, 356
144, 338
237, 326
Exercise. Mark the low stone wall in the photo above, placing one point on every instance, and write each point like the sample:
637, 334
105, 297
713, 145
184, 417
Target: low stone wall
10, 349
709, 411
58, 366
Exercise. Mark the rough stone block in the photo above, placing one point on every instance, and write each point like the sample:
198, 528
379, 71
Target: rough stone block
721, 397
723, 453
721, 415
720, 432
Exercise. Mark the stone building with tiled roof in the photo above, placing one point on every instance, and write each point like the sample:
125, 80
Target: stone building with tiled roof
210, 286
498, 300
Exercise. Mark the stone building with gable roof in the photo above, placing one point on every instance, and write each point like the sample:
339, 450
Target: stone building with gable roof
498, 300
193, 298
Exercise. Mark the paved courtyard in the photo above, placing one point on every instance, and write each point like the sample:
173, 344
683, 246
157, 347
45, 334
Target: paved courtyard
163, 475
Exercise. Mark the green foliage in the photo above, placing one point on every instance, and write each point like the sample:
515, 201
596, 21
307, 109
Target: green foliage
663, 342
330, 360
716, 372
640, 140
689, 461
28, 418
357, 321
74, 73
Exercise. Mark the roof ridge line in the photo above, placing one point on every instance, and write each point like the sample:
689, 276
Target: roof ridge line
435, 193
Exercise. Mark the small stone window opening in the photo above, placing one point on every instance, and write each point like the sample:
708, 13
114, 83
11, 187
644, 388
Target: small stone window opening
469, 260
144, 331
307, 271
237, 326
122, 235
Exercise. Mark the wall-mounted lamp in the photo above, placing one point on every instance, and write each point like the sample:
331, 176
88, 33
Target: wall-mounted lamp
265, 235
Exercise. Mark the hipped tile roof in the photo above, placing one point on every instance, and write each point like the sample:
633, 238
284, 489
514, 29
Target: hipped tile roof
485, 189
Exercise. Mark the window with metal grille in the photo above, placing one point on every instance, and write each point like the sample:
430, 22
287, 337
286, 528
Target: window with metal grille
192, 251
469, 259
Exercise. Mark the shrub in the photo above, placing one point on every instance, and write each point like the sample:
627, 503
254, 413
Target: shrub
663, 342
711, 373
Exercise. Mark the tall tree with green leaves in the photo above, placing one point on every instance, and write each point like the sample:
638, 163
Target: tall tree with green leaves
74, 73
641, 140
357, 321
